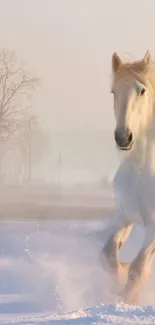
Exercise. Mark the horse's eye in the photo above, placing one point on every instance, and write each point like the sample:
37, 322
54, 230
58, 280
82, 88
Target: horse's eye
142, 91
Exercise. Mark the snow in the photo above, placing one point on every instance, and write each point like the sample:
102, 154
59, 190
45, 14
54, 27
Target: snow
50, 273
111, 314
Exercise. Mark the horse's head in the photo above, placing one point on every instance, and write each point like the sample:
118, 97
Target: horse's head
133, 92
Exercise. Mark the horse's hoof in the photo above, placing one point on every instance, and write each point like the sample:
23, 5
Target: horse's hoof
127, 297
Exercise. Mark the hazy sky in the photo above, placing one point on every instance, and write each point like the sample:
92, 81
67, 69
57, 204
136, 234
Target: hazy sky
69, 44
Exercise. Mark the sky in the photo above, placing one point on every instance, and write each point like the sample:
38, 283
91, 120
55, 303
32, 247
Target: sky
69, 44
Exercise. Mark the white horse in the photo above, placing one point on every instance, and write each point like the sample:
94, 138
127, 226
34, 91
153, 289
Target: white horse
133, 88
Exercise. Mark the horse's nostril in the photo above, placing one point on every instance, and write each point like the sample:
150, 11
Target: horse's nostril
116, 137
130, 138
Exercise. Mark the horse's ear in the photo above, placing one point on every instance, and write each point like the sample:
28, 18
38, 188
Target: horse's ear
147, 57
116, 62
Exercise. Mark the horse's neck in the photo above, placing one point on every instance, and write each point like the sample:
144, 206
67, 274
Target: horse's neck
143, 154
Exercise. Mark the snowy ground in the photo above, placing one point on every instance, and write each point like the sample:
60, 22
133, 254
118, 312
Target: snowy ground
50, 273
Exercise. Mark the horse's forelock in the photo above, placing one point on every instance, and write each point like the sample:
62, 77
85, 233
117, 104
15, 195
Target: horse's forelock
139, 70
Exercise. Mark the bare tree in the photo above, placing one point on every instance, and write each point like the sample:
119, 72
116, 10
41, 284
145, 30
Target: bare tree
16, 89
33, 143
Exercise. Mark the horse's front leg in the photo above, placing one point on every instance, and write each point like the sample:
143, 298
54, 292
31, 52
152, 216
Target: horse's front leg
139, 271
118, 233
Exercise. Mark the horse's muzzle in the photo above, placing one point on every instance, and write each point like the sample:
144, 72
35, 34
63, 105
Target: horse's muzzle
123, 138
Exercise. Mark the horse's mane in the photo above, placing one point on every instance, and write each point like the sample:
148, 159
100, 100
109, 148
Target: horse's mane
139, 70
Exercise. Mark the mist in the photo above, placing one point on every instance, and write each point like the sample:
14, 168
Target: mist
68, 45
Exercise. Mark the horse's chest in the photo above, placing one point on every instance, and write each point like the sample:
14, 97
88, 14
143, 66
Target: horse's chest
135, 191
